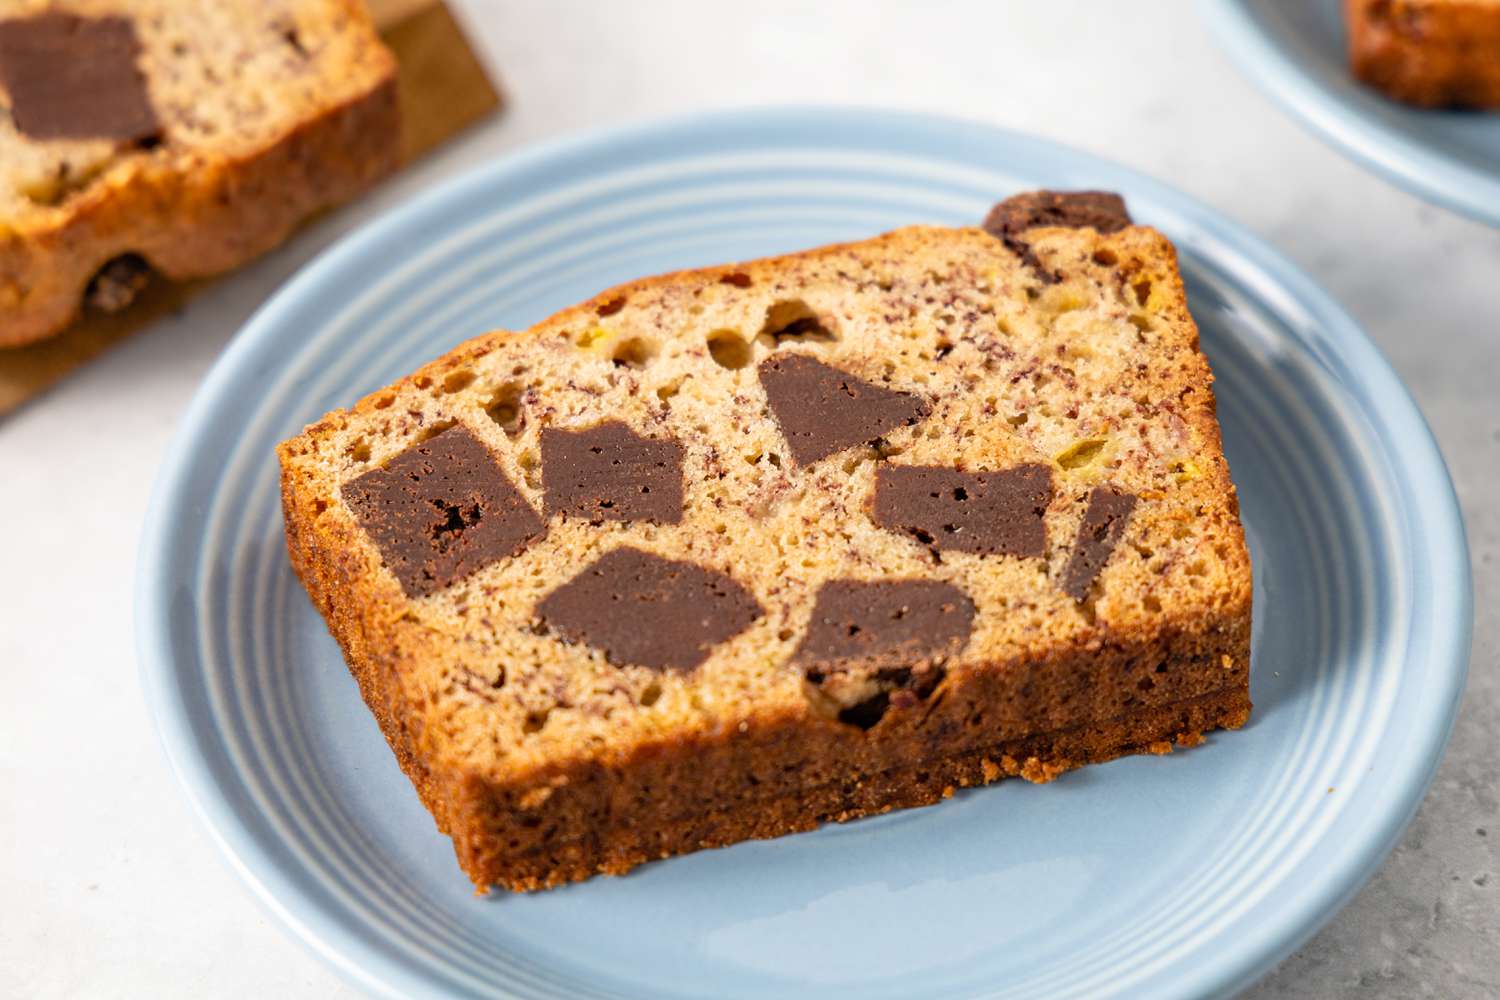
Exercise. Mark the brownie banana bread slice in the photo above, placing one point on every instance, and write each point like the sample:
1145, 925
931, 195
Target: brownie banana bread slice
1434, 53
174, 136
734, 552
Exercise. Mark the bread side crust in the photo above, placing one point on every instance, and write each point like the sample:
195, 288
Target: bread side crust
1431, 54
564, 817
196, 213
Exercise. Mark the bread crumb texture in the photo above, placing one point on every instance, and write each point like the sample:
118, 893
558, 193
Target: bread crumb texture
1007, 545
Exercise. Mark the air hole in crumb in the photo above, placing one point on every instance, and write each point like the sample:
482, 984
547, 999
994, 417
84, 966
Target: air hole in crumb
785, 635
1105, 257
1151, 604
633, 353
1081, 453
1197, 568
651, 695
504, 408
1142, 291
319, 506
1142, 323
359, 451
384, 402
1016, 420
530, 468
736, 278
611, 307
433, 430
728, 349
794, 320
458, 381
534, 721
421, 381
671, 389
1145, 684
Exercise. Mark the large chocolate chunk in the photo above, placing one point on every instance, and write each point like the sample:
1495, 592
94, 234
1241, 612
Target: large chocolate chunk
1103, 210
822, 410
1103, 525
641, 609
990, 513
441, 510
610, 473
74, 77
885, 622
872, 644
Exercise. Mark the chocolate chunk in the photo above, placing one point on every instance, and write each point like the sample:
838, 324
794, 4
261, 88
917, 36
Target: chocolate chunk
441, 510
822, 410
74, 77
638, 608
1103, 525
885, 622
872, 644
610, 473
990, 513
1102, 210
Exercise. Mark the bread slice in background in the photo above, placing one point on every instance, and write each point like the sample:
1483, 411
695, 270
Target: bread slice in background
258, 114
1432, 53
733, 552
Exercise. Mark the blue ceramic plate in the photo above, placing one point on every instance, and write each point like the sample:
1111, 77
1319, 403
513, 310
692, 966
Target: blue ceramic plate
1294, 49
1182, 876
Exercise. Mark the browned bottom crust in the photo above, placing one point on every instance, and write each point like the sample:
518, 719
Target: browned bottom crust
1429, 54
1033, 718
1038, 758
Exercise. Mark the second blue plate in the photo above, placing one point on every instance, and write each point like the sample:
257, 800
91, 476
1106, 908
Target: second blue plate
1295, 50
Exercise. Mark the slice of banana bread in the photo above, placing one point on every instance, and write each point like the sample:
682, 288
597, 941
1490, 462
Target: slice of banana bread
1434, 53
734, 552
174, 136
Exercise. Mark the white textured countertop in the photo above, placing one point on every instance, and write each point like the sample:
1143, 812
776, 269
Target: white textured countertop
111, 888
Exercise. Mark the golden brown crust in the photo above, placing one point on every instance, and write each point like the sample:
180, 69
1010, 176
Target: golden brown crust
1433, 53
1162, 655
197, 208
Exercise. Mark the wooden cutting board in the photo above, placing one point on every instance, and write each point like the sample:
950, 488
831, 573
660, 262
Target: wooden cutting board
442, 88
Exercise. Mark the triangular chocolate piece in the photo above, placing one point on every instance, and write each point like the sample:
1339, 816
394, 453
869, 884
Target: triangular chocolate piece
822, 410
